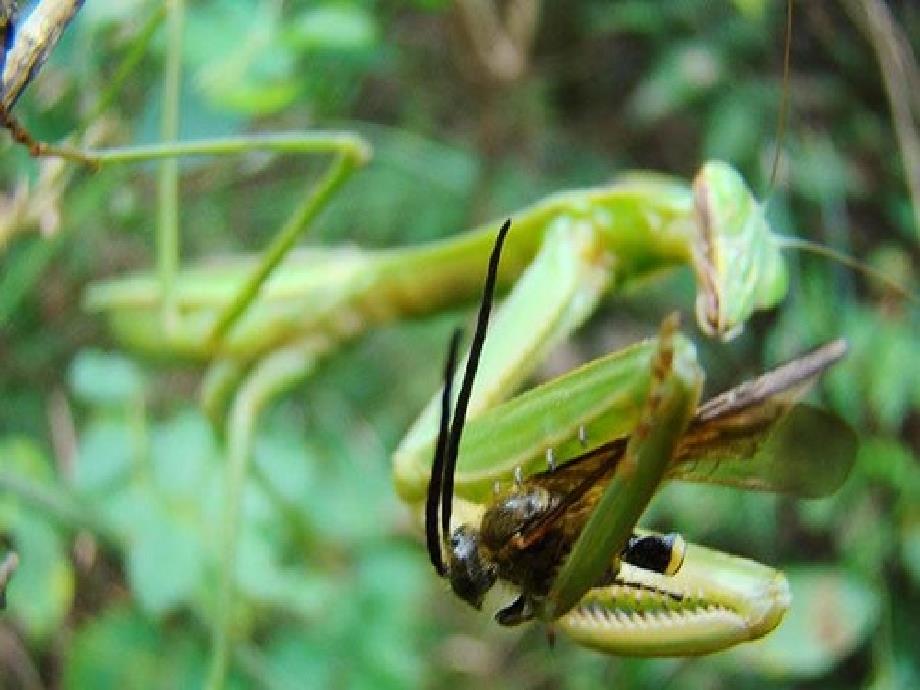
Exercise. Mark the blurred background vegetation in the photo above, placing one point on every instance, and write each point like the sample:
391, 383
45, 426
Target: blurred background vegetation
110, 475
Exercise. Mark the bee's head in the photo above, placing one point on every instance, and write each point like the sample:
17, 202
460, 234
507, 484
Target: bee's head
470, 577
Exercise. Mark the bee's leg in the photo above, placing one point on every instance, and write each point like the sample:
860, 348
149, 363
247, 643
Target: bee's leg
660, 553
518, 611
550, 459
583, 436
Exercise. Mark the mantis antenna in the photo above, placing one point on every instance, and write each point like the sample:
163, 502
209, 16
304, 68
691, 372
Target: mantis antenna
447, 446
802, 244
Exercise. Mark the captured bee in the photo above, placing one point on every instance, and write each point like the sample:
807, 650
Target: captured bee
28, 39
528, 531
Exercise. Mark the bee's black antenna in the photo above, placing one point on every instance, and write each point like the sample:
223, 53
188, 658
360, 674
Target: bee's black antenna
466, 388
437, 466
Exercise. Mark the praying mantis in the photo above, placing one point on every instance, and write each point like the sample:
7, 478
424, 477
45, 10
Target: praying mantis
565, 254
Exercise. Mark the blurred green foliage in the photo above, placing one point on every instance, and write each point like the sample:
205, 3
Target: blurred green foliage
110, 476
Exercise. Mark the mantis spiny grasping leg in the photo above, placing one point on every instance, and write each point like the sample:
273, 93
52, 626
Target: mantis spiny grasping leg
676, 384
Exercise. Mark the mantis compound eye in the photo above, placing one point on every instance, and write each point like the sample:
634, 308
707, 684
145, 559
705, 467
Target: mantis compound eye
470, 578
662, 553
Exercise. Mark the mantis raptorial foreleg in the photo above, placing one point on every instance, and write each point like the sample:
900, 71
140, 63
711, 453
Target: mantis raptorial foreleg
715, 600
676, 383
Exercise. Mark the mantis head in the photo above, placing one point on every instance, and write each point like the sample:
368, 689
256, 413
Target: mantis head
737, 260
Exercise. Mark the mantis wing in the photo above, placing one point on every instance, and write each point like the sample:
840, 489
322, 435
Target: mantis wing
808, 452
754, 436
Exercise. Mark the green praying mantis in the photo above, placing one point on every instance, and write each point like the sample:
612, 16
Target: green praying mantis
565, 254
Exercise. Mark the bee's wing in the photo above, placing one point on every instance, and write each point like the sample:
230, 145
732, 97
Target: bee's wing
754, 436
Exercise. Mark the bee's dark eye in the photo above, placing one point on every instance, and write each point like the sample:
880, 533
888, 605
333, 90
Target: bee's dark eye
454, 541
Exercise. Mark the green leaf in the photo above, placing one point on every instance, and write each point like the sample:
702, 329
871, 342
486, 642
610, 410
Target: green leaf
41, 592
753, 10
885, 460
182, 452
891, 384
294, 654
122, 649
166, 565
106, 454
910, 549
102, 378
282, 459
23, 457
334, 27
820, 172
735, 131
681, 76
